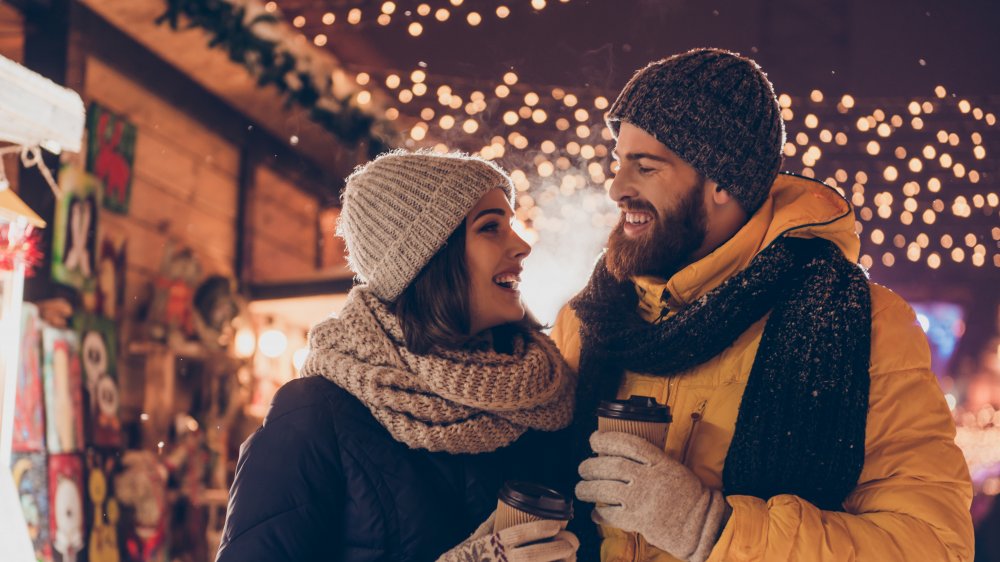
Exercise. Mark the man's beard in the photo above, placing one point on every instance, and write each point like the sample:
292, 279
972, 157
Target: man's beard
667, 247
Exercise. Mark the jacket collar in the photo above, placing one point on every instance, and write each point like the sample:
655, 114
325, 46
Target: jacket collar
797, 206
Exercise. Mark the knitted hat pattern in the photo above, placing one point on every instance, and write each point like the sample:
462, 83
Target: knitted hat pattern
717, 111
398, 210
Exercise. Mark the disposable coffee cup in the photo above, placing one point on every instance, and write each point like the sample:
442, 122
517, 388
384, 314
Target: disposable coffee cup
641, 416
523, 502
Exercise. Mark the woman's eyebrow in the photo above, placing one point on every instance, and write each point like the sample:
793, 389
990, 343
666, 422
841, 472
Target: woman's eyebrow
489, 212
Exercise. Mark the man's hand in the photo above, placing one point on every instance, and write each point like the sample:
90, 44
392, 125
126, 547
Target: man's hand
638, 488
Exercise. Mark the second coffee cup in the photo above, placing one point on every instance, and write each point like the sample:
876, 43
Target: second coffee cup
522, 502
639, 415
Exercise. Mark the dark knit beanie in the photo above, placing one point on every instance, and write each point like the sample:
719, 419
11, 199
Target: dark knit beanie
716, 110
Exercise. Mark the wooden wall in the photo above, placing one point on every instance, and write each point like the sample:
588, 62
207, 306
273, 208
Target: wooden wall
11, 47
284, 229
184, 188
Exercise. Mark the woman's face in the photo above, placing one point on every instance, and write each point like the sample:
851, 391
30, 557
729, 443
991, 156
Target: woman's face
493, 255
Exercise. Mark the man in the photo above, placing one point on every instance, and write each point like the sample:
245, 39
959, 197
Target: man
807, 424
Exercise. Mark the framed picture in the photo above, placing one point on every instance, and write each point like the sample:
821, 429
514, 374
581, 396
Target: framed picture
32, 484
66, 507
102, 513
111, 269
63, 390
74, 236
29, 411
110, 155
98, 359
141, 492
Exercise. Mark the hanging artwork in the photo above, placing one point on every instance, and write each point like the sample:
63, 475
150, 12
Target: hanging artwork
74, 238
63, 390
98, 357
171, 313
31, 481
29, 412
66, 507
110, 155
217, 303
141, 490
101, 509
111, 277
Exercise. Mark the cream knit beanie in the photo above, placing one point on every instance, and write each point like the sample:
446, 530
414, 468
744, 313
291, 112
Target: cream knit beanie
398, 210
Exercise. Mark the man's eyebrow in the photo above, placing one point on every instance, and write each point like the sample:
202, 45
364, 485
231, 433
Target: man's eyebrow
633, 156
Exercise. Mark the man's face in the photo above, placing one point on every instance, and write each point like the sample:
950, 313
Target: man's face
662, 203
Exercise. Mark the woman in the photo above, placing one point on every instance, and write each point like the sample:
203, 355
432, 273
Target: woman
429, 389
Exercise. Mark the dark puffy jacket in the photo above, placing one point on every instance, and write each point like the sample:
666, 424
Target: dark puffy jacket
322, 480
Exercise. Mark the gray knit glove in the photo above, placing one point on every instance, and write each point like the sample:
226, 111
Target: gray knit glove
638, 488
519, 543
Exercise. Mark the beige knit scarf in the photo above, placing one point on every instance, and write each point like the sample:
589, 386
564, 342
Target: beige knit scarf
457, 401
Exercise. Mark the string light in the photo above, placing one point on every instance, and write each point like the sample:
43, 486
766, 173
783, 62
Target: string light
912, 192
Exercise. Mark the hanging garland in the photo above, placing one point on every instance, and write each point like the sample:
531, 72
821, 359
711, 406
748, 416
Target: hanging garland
252, 38
19, 245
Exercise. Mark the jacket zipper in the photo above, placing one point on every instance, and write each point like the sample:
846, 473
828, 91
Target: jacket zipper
695, 420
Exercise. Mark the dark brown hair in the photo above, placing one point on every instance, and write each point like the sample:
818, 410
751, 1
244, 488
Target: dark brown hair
434, 309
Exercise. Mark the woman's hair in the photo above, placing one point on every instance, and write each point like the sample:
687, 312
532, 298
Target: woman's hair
434, 309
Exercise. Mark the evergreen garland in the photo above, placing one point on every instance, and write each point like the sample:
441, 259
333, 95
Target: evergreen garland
271, 62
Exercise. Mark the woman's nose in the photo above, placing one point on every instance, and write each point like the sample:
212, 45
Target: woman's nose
519, 248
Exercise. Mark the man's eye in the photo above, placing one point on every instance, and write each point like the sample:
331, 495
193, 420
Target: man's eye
645, 170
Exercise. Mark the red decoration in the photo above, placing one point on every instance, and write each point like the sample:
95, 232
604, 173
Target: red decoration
17, 244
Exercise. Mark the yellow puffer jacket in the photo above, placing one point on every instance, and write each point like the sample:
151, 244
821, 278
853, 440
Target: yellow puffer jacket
913, 497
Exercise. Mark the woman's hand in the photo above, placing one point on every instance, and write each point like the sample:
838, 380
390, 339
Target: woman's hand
538, 541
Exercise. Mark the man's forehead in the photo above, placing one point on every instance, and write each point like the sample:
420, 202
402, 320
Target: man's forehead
635, 143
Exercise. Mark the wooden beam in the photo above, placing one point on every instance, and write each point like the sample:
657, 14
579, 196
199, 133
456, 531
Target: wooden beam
308, 288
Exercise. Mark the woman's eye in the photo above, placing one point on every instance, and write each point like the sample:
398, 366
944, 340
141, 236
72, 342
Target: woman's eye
490, 227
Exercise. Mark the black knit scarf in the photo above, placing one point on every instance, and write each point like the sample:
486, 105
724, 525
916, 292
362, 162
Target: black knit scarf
801, 424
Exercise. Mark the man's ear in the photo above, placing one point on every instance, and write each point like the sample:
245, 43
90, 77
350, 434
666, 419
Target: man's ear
719, 196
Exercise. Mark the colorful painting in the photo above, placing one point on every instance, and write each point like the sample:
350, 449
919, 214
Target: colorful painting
110, 155
171, 312
101, 509
111, 277
31, 481
29, 411
98, 358
63, 390
141, 490
66, 507
74, 238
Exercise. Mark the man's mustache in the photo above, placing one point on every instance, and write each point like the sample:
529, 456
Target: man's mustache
637, 205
